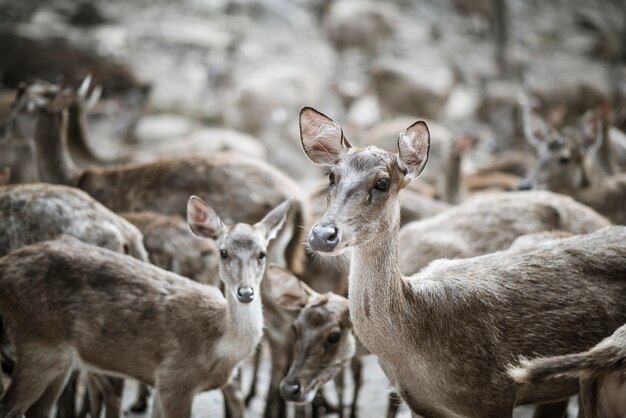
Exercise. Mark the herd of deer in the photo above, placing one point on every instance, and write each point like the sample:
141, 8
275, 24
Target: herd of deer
508, 298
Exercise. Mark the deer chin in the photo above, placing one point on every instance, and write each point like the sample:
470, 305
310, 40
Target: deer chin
308, 396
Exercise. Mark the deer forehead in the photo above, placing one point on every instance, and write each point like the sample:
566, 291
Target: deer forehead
366, 160
243, 240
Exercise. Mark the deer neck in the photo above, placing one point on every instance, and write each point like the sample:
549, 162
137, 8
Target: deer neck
244, 323
77, 136
376, 286
53, 161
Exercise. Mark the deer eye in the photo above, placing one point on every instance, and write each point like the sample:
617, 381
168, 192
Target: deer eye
223, 254
334, 337
331, 178
262, 255
564, 160
383, 184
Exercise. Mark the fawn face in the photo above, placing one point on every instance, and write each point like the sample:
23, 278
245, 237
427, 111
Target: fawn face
363, 183
242, 247
324, 339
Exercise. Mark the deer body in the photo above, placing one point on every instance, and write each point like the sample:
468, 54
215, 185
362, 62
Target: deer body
601, 372
165, 330
481, 313
489, 223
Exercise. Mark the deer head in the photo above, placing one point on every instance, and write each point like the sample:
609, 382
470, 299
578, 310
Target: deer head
242, 247
323, 330
363, 182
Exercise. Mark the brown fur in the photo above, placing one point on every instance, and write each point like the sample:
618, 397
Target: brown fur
601, 370
489, 223
243, 188
165, 330
480, 313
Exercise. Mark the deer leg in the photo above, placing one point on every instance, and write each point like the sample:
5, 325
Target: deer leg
233, 400
340, 386
588, 399
141, 402
95, 396
255, 374
66, 405
35, 373
174, 399
114, 389
552, 410
275, 406
356, 365
42, 407
393, 405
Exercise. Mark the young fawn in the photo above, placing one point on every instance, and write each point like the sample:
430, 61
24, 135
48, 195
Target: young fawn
601, 371
178, 335
446, 336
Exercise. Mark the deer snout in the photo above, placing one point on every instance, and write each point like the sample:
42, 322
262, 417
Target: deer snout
324, 238
245, 294
290, 391
525, 184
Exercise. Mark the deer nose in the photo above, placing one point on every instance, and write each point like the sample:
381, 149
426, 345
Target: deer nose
290, 391
525, 184
324, 238
245, 294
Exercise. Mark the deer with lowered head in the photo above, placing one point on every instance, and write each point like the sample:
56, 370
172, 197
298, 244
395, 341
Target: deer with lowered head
600, 370
446, 336
166, 330
491, 222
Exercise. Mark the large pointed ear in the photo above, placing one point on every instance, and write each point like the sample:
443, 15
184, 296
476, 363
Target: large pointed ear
202, 219
413, 148
322, 138
273, 221
288, 291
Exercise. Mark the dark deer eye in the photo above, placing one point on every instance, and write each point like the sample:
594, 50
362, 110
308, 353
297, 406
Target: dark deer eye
262, 255
564, 160
223, 254
383, 184
331, 178
334, 337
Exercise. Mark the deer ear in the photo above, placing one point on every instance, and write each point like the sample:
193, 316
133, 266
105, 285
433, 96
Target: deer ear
288, 291
322, 138
413, 148
202, 219
273, 221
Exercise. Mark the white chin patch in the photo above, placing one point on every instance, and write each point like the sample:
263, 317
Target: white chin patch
335, 253
308, 397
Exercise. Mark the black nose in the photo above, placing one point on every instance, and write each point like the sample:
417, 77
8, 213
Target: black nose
290, 391
245, 294
524, 184
324, 238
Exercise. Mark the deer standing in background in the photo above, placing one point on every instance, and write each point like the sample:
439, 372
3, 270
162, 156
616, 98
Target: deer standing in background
563, 166
481, 313
601, 372
91, 302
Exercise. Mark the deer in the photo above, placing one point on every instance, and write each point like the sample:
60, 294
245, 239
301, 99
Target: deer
501, 305
490, 222
562, 167
160, 186
38, 212
188, 336
600, 371
325, 343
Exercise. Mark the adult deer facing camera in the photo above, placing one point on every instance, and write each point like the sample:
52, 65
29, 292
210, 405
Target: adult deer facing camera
84, 303
446, 336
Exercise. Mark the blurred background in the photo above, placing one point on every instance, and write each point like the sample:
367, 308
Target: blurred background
195, 76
